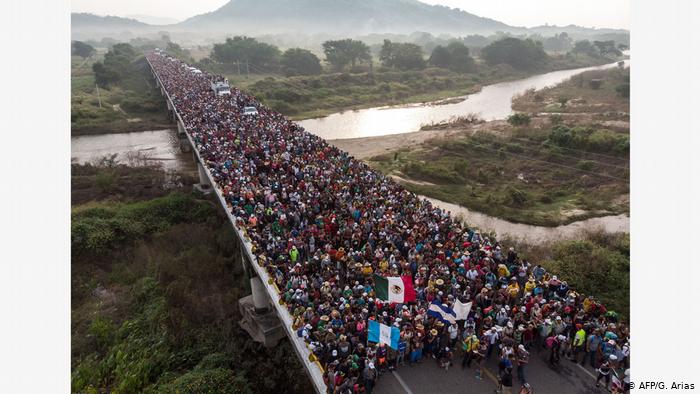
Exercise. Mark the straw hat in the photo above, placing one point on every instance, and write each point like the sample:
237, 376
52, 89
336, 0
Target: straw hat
434, 332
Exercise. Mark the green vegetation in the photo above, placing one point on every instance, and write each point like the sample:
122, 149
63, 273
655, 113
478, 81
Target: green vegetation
126, 99
297, 61
155, 285
402, 56
598, 264
242, 49
519, 119
590, 139
524, 177
341, 53
79, 48
455, 56
521, 54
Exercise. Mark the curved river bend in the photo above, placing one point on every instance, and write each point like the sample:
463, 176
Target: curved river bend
492, 102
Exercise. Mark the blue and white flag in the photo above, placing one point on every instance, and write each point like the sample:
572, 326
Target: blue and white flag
442, 312
381, 333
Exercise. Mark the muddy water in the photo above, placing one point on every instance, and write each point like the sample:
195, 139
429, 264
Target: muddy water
159, 146
535, 234
492, 102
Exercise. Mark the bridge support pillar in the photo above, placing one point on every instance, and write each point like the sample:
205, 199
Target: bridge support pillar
185, 145
204, 186
259, 319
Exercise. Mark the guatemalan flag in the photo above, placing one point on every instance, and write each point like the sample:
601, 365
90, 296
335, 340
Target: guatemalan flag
397, 289
381, 333
442, 312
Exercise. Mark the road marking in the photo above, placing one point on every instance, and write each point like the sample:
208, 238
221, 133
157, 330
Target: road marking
489, 374
585, 370
401, 382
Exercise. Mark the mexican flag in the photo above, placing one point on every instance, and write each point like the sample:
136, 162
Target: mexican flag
397, 289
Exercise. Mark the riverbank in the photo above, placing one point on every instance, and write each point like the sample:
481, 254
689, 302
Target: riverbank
501, 172
305, 97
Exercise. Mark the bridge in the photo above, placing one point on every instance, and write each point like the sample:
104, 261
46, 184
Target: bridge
267, 319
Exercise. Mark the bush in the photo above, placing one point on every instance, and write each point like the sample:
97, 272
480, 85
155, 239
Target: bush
218, 380
585, 165
100, 229
598, 266
517, 197
519, 119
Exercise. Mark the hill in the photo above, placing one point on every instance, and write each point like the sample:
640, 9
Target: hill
342, 17
319, 18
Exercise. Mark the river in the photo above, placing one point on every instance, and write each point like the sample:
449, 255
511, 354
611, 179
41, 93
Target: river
158, 146
534, 234
491, 102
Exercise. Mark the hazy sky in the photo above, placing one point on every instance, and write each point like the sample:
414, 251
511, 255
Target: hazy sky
589, 13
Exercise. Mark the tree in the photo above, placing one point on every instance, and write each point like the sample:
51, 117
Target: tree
404, 56
606, 48
521, 54
340, 53
455, 57
259, 55
118, 62
585, 47
176, 50
460, 60
519, 119
79, 48
297, 61
559, 42
440, 57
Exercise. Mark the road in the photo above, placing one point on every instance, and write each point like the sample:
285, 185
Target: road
428, 378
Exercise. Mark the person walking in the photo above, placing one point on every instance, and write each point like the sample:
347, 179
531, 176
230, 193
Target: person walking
523, 359
579, 343
592, 346
370, 377
470, 347
604, 373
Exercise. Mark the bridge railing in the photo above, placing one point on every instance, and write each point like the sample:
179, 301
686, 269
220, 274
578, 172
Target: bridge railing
313, 368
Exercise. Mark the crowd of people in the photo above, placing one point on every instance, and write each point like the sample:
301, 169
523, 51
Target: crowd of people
323, 224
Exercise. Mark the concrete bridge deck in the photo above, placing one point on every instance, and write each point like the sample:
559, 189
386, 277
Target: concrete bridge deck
265, 283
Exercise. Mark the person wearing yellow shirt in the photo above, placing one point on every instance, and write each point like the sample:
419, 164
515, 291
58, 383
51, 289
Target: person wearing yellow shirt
469, 345
384, 265
530, 285
513, 288
579, 342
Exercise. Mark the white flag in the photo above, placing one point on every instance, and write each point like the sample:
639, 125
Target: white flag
462, 310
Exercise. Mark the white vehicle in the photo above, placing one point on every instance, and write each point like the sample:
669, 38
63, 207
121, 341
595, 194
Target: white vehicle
220, 88
250, 111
